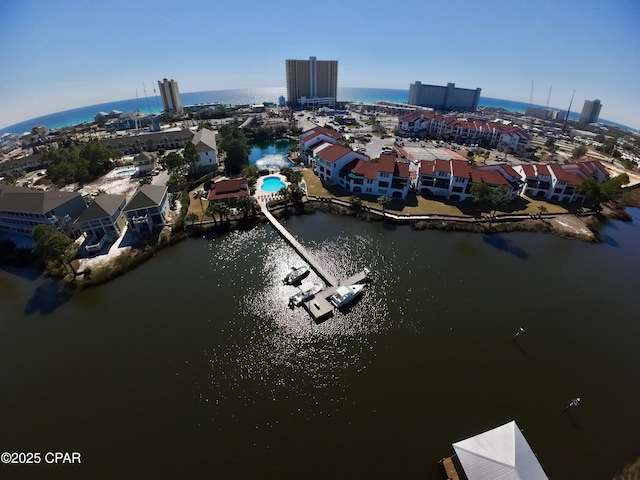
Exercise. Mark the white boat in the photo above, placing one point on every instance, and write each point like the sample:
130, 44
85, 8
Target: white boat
305, 292
297, 273
345, 295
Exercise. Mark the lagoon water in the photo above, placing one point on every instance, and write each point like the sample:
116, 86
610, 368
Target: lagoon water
271, 154
192, 365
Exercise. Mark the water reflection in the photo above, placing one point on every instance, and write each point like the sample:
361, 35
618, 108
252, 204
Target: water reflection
282, 347
501, 243
48, 297
609, 240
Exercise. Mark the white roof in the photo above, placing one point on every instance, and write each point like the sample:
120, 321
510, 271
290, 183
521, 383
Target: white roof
499, 454
342, 291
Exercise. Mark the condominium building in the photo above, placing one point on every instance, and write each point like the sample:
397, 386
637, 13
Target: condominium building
170, 95
590, 111
312, 83
444, 98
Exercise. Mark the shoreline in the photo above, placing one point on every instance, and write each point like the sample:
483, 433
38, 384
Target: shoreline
570, 227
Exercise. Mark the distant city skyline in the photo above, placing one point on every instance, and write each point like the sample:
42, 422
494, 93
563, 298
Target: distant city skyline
57, 59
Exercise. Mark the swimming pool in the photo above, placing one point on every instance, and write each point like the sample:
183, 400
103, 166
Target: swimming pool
272, 184
124, 172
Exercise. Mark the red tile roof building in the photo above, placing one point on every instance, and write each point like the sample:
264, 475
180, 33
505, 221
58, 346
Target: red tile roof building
462, 130
228, 191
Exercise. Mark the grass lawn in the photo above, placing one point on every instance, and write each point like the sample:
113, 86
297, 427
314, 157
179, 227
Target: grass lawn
419, 205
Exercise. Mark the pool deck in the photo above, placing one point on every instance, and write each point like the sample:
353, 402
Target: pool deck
261, 180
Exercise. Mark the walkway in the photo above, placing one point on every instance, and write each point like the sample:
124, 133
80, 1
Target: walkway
322, 273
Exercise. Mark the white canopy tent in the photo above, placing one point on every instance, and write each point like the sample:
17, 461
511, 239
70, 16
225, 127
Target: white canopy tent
499, 454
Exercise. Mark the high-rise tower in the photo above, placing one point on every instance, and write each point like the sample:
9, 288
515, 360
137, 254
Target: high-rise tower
312, 83
590, 111
170, 95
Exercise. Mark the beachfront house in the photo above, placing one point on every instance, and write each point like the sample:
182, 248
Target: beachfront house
103, 221
205, 142
148, 209
145, 162
21, 209
329, 161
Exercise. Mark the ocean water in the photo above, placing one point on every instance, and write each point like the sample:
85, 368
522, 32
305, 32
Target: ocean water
153, 104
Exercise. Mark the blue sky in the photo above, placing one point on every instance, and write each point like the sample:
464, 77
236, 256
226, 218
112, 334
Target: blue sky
58, 55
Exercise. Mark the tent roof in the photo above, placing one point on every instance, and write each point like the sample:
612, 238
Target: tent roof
500, 454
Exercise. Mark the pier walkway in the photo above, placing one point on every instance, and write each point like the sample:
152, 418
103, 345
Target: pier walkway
449, 468
319, 306
322, 273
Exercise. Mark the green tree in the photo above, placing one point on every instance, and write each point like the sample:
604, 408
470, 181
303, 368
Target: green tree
53, 246
212, 209
248, 205
175, 179
293, 176
232, 141
579, 151
200, 194
384, 201
174, 163
293, 192
611, 190
541, 209
494, 197
591, 190
190, 155
223, 209
250, 171
356, 203
191, 217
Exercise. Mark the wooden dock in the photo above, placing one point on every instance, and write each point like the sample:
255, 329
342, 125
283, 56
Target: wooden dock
322, 273
449, 468
319, 307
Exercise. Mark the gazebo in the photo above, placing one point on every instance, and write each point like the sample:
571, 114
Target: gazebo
499, 454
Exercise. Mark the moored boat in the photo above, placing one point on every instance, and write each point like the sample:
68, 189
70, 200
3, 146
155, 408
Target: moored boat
297, 273
305, 292
346, 294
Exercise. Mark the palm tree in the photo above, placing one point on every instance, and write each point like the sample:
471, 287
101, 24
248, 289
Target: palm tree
384, 201
223, 210
200, 194
191, 217
293, 193
541, 209
248, 205
212, 209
